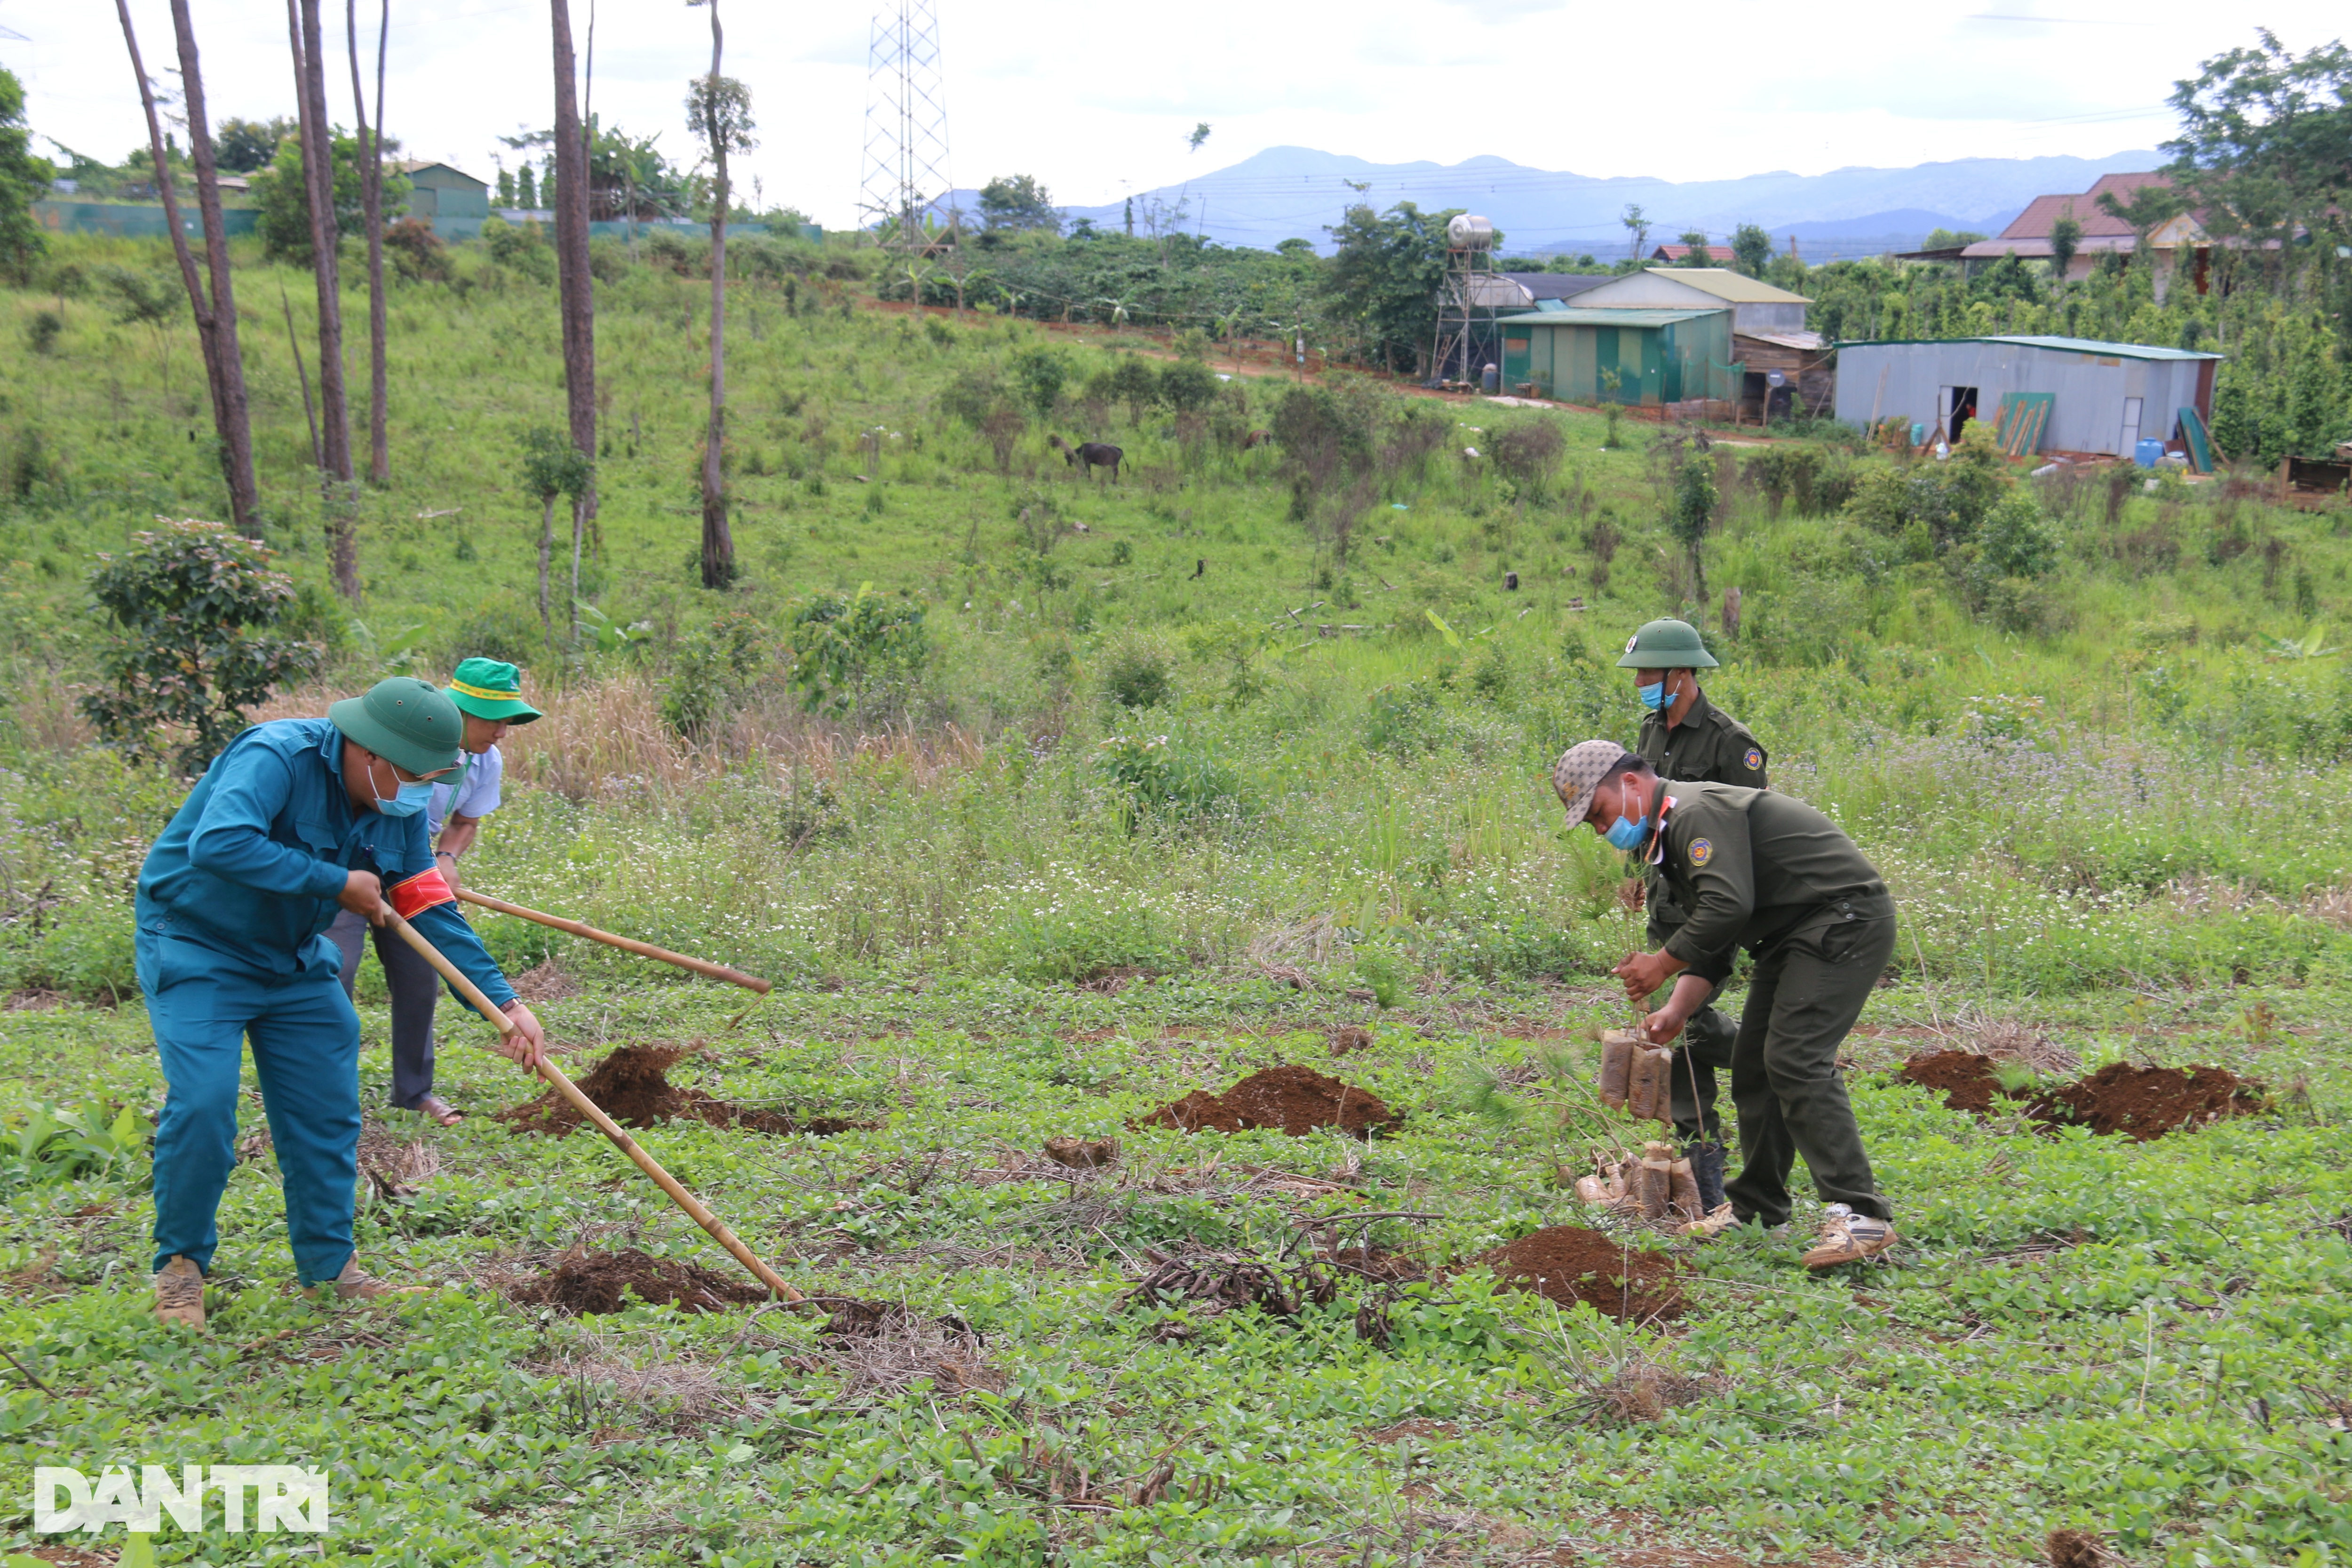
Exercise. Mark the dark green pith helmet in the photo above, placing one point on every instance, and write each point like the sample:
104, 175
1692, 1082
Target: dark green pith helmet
406, 721
1666, 644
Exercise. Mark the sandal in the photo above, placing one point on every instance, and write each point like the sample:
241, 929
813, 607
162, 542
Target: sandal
435, 1107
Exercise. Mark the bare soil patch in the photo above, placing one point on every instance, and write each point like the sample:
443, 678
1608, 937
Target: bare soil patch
543, 982
2142, 1103
1350, 1039
600, 1282
882, 1347
1566, 1263
2075, 1548
632, 1085
1965, 1078
2138, 1102
1082, 1153
1293, 1100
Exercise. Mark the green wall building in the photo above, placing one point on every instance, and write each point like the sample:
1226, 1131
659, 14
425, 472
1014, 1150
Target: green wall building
1657, 356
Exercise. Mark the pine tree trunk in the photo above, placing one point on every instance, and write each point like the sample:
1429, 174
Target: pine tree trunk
718, 539
546, 552
579, 533
575, 286
318, 185
215, 315
371, 200
233, 414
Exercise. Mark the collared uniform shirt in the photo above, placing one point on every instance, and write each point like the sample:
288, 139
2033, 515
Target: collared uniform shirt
1708, 744
1749, 866
476, 792
253, 861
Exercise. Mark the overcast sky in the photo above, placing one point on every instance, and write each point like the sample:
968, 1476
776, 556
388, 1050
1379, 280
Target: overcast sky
1096, 100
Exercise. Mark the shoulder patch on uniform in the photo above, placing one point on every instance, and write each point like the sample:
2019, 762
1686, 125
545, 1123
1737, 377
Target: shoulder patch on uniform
1701, 852
1755, 758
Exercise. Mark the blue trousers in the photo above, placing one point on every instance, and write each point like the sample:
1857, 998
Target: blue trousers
204, 1005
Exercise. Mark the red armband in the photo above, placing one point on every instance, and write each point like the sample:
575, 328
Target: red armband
413, 895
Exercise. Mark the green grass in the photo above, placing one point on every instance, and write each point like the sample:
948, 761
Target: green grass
2111, 812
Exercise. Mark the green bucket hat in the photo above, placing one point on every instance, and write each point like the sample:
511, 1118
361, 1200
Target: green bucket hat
487, 689
1666, 644
410, 723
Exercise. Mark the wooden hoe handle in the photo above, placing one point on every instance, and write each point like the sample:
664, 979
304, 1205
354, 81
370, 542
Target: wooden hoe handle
589, 1109
627, 944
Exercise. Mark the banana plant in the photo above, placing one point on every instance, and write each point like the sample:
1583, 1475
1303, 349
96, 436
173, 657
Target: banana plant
2313, 644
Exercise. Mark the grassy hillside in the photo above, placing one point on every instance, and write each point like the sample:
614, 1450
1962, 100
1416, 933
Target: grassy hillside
1134, 823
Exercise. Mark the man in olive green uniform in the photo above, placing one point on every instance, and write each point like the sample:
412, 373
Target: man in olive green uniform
1685, 736
1768, 873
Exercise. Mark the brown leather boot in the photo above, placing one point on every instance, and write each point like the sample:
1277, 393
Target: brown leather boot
180, 1293
356, 1284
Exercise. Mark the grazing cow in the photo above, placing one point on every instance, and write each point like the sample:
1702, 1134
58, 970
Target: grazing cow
1089, 454
1255, 439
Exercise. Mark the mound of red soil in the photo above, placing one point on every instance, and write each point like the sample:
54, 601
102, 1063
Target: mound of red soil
632, 1085
1293, 1099
1966, 1078
2139, 1102
599, 1282
1567, 1264
2142, 1103
2075, 1548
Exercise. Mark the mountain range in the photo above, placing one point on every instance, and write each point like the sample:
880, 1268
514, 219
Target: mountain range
1297, 191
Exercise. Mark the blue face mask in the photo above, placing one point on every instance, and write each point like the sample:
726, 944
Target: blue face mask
1653, 696
1628, 836
409, 799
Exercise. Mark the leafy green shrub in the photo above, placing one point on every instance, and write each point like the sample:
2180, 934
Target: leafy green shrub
863, 657
85, 951
515, 945
28, 463
1187, 387
196, 609
1133, 383
1158, 776
417, 254
1527, 452
1137, 673
1041, 373
502, 626
710, 672
41, 332
1385, 971
44, 1145
1404, 718
2017, 540
522, 246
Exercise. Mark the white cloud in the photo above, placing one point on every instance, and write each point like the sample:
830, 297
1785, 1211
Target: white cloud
1095, 100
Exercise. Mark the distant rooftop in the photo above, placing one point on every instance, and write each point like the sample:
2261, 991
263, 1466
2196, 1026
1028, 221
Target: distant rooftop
1557, 285
1725, 284
1598, 318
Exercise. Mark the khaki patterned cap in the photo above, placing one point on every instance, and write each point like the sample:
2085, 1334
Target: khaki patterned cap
1579, 772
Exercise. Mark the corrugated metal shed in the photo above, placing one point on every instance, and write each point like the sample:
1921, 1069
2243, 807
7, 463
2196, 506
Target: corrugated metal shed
2107, 397
1657, 356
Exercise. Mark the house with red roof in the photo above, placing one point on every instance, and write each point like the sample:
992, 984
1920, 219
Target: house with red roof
2177, 240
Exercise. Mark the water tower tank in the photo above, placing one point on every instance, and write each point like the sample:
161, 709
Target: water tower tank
1469, 232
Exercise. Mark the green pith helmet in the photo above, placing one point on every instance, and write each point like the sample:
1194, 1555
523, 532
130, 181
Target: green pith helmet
406, 721
1666, 644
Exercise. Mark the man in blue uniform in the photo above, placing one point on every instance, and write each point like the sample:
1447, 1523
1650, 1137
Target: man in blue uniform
296, 819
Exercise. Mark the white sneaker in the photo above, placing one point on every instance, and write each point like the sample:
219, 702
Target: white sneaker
1716, 1222
1848, 1237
